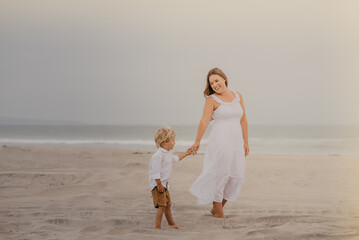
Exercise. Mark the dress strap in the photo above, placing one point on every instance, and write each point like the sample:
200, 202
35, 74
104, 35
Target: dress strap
237, 95
217, 99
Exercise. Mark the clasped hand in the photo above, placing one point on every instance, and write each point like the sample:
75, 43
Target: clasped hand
195, 148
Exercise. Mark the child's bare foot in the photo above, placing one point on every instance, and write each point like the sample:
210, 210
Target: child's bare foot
212, 211
158, 228
175, 226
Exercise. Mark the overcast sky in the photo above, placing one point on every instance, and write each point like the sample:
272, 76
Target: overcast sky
145, 62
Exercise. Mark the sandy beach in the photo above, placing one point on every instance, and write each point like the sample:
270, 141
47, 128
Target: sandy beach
89, 193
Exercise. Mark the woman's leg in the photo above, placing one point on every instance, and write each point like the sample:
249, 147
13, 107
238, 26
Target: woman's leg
223, 203
218, 209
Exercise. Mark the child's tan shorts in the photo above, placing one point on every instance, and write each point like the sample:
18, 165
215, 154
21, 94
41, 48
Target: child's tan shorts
161, 199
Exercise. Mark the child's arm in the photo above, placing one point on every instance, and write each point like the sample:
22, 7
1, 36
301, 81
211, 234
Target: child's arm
159, 186
185, 154
155, 172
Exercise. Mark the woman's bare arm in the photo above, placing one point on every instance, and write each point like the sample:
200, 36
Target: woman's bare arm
203, 123
244, 125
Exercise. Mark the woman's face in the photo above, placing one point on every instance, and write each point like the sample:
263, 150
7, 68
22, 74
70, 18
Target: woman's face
218, 84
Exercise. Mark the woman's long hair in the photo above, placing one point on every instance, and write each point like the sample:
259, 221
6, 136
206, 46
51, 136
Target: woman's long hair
214, 71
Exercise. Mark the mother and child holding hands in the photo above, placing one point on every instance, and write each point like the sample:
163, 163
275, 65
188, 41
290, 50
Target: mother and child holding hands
224, 160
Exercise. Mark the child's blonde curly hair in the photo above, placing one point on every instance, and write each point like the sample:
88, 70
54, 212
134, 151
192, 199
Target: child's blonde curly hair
164, 135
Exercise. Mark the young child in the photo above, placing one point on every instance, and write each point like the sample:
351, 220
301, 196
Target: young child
160, 172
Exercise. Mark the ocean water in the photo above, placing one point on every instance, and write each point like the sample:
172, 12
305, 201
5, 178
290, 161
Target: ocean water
308, 140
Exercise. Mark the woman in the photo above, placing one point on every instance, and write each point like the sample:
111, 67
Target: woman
224, 159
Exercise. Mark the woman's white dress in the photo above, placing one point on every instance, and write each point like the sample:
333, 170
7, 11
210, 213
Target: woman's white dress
224, 159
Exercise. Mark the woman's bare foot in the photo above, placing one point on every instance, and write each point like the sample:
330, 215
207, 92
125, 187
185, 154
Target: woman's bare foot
175, 226
223, 203
218, 210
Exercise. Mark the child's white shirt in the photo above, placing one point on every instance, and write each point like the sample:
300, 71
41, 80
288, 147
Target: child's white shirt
161, 167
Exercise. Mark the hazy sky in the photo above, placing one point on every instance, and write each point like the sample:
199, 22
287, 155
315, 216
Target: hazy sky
145, 62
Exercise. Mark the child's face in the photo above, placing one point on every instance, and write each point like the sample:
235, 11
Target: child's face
169, 145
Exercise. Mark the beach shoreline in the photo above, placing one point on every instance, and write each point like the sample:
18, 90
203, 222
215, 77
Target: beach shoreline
100, 193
